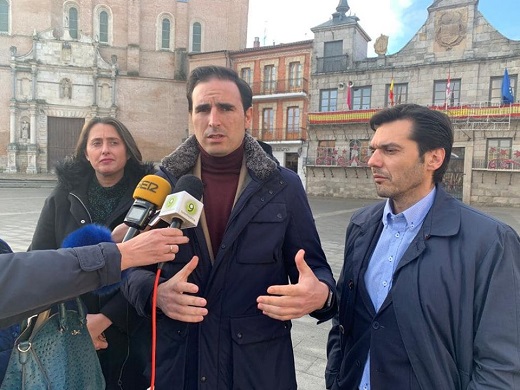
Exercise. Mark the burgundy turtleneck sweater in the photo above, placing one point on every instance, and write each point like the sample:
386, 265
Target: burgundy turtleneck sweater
220, 178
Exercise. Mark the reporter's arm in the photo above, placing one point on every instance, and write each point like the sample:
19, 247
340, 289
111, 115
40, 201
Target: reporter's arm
33, 281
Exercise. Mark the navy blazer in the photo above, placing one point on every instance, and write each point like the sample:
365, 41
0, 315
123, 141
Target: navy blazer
455, 294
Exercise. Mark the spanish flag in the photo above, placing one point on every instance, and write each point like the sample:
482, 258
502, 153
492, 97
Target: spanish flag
391, 92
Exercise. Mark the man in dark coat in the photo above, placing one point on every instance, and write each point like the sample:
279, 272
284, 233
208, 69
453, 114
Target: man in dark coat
226, 312
429, 290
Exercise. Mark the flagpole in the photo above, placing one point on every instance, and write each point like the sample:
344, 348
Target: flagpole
448, 89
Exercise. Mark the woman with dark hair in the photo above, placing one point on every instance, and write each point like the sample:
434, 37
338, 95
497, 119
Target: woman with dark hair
95, 185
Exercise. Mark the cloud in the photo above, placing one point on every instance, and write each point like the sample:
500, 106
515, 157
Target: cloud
390, 19
293, 19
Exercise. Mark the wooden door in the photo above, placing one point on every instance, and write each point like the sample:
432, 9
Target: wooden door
63, 134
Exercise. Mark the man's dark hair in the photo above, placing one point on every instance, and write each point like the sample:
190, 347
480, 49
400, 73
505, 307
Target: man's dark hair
430, 129
206, 73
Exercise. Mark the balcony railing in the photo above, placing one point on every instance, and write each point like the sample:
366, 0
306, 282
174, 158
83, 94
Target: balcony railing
300, 85
498, 164
279, 134
476, 112
331, 64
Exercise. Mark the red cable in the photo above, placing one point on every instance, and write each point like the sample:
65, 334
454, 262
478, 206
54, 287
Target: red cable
154, 326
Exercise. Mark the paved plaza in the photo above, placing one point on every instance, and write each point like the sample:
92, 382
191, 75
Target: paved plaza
21, 203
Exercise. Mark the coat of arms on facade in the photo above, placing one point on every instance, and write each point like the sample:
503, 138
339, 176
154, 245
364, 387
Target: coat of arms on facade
450, 30
381, 45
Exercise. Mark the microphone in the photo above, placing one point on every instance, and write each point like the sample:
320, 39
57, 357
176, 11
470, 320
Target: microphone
183, 208
149, 195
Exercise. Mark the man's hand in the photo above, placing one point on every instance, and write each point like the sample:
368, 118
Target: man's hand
173, 301
97, 324
151, 247
295, 300
119, 232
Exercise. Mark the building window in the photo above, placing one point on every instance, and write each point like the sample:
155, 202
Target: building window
293, 119
165, 33
196, 38
499, 152
333, 58
4, 16
495, 88
245, 74
269, 78
268, 120
400, 94
73, 22
164, 36
328, 100
444, 95
361, 97
103, 27
295, 75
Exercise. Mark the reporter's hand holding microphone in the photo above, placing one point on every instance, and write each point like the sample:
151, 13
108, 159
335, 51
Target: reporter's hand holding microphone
155, 246
182, 209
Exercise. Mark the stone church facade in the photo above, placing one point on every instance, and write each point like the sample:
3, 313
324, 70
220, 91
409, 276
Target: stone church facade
456, 63
64, 62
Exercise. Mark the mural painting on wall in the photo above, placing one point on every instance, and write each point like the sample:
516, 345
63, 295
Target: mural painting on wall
501, 159
356, 155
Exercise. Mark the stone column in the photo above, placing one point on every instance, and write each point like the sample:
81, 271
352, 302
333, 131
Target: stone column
32, 137
12, 123
95, 89
34, 72
113, 77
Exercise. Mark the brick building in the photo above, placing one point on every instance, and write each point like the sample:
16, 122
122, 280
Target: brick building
456, 63
279, 76
63, 62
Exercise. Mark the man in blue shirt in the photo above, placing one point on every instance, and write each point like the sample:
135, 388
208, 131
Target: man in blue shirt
428, 293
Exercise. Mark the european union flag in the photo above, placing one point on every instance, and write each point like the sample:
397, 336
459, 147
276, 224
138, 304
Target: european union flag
507, 91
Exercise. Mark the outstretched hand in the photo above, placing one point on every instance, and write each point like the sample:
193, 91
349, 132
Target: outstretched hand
291, 301
151, 247
175, 299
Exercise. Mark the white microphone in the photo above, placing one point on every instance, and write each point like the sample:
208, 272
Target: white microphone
183, 208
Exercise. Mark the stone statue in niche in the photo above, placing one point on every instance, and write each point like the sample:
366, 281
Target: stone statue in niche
24, 131
65, 89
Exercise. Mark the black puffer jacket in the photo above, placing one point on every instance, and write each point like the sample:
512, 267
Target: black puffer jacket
67, 209
7, 335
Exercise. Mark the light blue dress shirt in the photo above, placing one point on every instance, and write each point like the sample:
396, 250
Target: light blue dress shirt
398, 233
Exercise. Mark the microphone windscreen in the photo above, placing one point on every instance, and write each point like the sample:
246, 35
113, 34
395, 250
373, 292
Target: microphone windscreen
91, 234
153, 189
191, 184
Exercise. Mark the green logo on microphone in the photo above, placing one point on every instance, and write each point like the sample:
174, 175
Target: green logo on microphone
191, 208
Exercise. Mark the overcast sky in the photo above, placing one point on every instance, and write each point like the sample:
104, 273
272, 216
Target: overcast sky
284, 21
